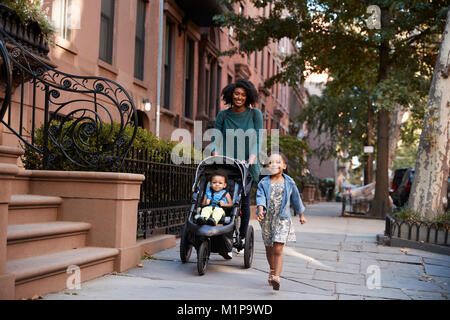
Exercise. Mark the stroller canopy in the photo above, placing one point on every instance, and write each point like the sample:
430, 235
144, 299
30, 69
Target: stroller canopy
240, 168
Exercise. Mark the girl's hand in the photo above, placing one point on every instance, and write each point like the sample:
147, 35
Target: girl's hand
302, 219
222, 203
260, 214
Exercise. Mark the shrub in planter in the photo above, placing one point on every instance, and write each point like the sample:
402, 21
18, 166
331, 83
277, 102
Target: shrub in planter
408, 224
78, 146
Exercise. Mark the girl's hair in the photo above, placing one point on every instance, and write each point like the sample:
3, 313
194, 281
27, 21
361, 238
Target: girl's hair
250, 90
281, 154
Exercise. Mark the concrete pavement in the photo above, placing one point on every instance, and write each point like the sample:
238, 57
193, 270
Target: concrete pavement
334, 258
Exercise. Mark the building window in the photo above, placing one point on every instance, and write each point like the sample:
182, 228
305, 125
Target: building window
230, 79
262, 63
168, 63
219, 87
278, 86
189, 78
256, 60
139, 44
268, 65
107, 30
61, 17
274, 88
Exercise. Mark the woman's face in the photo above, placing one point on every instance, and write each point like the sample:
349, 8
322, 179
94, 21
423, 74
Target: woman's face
276, 164
239, 97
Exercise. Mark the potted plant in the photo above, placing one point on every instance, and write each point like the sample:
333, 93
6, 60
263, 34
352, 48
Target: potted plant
309, 183
28, 23
25, 24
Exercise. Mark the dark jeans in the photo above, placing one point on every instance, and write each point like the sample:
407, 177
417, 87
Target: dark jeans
245, 217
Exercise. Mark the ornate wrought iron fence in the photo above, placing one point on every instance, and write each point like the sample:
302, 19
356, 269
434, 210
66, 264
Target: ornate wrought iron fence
165, 197
75, 110
424, 231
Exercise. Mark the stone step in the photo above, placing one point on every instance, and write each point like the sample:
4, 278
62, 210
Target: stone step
29, 208
34, 239
52, 272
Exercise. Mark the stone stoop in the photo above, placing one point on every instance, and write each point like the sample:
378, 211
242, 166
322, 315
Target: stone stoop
29, 208
34, 239
53, 272
42, 253
58, 227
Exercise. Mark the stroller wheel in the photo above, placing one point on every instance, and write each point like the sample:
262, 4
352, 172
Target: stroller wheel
202, 257
249, 248
185, 246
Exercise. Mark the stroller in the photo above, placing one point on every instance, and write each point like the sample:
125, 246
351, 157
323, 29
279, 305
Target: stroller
223, 237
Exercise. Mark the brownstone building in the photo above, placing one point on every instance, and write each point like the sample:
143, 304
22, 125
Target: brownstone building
169, 63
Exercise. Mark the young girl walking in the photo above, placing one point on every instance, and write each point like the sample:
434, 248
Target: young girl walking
275, 194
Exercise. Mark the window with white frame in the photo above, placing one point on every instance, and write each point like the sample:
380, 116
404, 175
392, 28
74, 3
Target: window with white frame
61, 17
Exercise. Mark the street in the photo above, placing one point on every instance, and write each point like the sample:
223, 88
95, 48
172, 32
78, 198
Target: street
334, 258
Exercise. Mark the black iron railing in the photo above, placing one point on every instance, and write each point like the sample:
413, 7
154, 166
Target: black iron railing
77, 112
423, 231
166, 192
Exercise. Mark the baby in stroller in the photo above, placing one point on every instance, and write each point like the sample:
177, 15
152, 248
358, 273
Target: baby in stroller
216, 198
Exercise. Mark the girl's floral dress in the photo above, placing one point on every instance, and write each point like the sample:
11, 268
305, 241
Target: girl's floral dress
274, 229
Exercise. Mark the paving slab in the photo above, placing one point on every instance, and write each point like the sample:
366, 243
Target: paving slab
421, 295
340, 277
438, 262
329, 260
387, 293
355, 297
399, 257
336, 266
439, 271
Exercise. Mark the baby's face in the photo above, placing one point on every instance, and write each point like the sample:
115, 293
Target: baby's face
218, 183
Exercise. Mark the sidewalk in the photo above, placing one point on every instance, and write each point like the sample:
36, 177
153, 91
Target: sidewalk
334, 258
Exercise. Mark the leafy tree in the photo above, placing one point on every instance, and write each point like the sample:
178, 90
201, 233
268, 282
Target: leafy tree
388, 65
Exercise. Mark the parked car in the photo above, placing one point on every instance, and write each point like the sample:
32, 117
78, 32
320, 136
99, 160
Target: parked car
401, 186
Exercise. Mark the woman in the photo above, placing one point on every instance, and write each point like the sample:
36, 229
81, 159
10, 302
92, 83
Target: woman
241, 96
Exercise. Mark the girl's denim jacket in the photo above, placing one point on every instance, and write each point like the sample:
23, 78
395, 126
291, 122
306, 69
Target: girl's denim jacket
291, 196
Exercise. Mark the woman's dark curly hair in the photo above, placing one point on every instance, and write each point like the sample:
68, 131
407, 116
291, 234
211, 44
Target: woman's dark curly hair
252, 93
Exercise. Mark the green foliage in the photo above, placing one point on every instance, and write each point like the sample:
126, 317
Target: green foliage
406, 214
406, 155
411, 215
31, 11
108, 133
333, 37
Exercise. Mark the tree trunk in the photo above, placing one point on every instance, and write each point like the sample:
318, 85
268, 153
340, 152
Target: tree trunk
381, 203
394, 132
369, 142
432, 168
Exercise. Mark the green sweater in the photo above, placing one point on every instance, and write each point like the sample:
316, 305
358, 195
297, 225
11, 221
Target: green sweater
250, 134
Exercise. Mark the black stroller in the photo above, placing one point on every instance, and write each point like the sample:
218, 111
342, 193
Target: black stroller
223, 237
